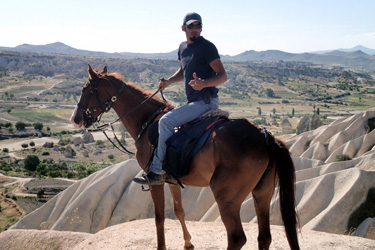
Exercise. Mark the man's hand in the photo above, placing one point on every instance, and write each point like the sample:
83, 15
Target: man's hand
197, 83
163, 84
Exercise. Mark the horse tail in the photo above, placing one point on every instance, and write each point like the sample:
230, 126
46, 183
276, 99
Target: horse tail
286, 175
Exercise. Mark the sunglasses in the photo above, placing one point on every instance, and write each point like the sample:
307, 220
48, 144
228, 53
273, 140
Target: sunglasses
194, 26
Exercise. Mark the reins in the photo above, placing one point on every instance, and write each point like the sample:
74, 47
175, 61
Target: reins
108, 106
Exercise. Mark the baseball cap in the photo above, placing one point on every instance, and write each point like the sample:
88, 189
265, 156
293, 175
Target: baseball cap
191, 18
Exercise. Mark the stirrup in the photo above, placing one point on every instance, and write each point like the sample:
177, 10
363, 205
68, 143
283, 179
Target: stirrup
144, 175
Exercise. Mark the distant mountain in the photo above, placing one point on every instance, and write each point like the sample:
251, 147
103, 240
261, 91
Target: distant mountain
61, 48
358, 57
252, 55
168, 56
358, 47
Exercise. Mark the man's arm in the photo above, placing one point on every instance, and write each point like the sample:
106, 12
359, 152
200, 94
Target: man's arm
219, 78
176, 77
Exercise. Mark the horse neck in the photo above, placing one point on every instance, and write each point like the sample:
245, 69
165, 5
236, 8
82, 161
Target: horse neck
130, 99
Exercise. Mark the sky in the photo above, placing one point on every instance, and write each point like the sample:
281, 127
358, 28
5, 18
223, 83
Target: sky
153, 26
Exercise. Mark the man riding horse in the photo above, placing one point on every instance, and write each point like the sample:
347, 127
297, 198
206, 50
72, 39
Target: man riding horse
202, 70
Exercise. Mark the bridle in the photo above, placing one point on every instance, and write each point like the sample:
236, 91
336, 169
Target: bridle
104, 108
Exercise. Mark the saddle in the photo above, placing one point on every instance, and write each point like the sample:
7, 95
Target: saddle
186, 142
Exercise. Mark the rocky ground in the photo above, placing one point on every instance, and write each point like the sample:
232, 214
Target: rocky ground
140, 235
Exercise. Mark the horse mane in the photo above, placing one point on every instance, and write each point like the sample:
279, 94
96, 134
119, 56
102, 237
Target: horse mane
117, 75
137, 90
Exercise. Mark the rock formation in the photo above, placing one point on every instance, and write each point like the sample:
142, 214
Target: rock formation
306, 124
286, 126
87, 137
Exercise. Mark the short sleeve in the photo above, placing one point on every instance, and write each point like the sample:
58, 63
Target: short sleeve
211, 52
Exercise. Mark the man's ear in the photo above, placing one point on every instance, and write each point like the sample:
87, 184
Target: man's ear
183, 27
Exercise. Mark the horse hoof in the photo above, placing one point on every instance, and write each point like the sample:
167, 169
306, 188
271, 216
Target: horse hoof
191, 247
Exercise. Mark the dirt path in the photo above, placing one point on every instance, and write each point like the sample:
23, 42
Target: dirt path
16, 144
20, 183
41, 92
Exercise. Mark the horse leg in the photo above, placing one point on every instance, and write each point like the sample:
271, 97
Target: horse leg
229, 196
262, 195
230, 215
180, 214
157, 194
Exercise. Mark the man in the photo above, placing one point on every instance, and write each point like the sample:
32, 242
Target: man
202, 70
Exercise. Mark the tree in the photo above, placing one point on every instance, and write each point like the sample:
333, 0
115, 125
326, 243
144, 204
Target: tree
31, 162
41, 169
24, 145
20, 125
259, 111
111, 157
270, 93
40, 193
38, 126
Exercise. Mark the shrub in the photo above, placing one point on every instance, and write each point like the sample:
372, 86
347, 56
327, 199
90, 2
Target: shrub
31, 162
38, 126
270, 93
41, 169
343, 158
24, 145
20, 125
5, 150
99, 143
32, 144
54, 173
111, 157
40, 193
90, 170
70, 175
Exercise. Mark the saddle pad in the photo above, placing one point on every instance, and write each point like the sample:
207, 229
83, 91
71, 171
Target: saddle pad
186, 143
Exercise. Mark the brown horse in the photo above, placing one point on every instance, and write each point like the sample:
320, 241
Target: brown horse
238, 158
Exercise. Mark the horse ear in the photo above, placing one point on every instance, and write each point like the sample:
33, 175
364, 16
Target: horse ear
104, 70
92, 74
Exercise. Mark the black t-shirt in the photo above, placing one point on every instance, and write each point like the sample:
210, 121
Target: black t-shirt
196, 58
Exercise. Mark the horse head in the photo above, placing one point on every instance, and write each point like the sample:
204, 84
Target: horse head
93, 101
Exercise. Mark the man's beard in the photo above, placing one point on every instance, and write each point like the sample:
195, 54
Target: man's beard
193, 38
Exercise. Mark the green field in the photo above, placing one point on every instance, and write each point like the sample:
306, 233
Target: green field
25, 89
46, 115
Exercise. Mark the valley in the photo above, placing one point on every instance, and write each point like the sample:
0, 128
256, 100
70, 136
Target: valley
38, 93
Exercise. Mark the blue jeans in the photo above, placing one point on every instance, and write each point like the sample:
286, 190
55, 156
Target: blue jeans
176, 118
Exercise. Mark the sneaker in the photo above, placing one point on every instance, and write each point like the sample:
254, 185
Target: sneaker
150, 179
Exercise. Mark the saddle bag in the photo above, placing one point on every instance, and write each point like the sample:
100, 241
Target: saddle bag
186, 143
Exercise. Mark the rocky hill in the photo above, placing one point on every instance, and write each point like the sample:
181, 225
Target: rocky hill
357, 59
150, 70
